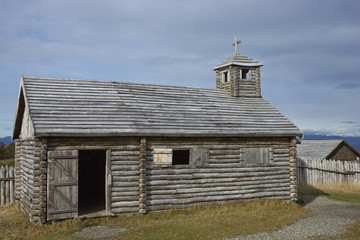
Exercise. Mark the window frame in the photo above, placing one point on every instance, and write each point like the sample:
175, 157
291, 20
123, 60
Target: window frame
248, 74
163, 157
225, 76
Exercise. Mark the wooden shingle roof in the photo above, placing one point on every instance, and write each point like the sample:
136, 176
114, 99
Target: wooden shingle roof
68, 107
322, 149
239, 60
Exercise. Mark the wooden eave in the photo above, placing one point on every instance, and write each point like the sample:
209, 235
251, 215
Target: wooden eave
159, 134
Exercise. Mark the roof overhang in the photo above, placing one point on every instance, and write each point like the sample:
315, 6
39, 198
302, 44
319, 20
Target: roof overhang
161, 134
238, 64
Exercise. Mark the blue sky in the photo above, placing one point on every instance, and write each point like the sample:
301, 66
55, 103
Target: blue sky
310, 49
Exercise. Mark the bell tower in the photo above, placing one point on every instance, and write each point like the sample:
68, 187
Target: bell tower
239, 75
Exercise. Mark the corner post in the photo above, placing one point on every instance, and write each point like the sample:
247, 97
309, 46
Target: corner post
17, 169
142, 176
293, 179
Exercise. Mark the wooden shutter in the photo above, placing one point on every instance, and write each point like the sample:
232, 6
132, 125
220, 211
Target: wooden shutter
256, 155
199, 157
62, 182
162, 156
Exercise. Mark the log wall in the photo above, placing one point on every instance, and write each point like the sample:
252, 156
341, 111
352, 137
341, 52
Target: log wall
138, 185
224, 179
28, 183
124, 166
239, 87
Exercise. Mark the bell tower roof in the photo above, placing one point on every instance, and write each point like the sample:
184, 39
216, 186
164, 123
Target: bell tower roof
238, 59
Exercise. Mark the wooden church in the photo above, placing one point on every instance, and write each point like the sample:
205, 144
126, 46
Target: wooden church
99, 148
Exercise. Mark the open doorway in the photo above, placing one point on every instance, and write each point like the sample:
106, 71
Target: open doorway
91, 181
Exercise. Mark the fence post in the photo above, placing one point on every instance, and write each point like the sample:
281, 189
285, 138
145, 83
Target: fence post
7, 185
12, 184
2, 185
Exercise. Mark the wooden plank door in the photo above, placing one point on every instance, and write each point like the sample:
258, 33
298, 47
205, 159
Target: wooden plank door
62, 184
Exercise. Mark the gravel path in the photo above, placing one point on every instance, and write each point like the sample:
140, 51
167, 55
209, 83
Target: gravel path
327, 217
99, 232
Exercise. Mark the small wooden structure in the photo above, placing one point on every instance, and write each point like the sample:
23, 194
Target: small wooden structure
327, 149
6, 185
103, 148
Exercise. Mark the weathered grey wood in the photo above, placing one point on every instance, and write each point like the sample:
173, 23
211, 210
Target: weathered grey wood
193, 111
108, 181
125, 204
62, 200
2, 185
312, 171
122, 210
12, 184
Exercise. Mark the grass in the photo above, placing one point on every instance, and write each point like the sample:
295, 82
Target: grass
342, 192
207, 222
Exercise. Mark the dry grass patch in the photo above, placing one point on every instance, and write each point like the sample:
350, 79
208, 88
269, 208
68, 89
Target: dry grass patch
344, 192
352, 231
207, 222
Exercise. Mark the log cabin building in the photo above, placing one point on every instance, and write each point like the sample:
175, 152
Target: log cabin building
97, 148
327, 149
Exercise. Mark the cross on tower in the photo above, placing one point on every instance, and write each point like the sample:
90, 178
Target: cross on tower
236, 43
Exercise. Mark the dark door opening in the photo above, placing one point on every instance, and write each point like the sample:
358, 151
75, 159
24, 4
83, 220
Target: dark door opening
91, 181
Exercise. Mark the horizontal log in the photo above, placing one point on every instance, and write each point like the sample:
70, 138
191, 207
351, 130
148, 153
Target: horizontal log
125, 184
125, 153
124, 204
239, 195
125, 173
230, 201
127, 193
245, 169
124, 168
124, 158
212, 180
125, 178
126, 163
180, 193
207, 174
124, 198
124, 210
124, 189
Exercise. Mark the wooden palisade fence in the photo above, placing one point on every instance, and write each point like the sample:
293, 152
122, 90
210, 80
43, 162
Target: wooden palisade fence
7, 189
322, 171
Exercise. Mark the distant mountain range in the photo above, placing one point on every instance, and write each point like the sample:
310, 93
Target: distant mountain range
6, 140
353, 141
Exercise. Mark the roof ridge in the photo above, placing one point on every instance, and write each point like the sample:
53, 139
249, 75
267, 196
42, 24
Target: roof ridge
118, 82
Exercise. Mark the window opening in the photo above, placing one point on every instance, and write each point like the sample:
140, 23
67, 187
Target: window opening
181, 157
225, 77
244, 73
